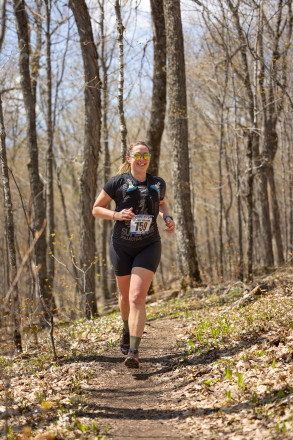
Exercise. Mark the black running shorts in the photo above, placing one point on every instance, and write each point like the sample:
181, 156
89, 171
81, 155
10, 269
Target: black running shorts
124, 258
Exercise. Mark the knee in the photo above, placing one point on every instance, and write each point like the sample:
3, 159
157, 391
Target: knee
137, 298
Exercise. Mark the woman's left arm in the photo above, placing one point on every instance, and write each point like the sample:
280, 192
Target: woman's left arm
164, 213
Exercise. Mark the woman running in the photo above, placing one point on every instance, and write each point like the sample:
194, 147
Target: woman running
135, 248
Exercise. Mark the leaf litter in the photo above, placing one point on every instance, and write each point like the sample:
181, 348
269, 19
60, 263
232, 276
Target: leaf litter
227, 372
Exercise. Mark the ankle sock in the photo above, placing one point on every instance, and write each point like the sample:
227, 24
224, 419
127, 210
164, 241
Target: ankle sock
134, 342
125, 326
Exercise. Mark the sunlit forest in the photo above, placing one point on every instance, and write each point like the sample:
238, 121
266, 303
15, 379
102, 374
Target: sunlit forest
206, 84
239, 107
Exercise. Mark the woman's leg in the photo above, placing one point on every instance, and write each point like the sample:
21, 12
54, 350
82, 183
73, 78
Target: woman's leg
123, 284
139, 285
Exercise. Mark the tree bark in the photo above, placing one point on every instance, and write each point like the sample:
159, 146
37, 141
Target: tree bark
123, 129
220, 165
36, 54
272, 101
276, 220
9, 226
237, 178
253, 157
88, 179
272, 111
249, 202
177, 117
49, 153
106, 225
290, 196
158, 110
3, 23
263, 207
37, 188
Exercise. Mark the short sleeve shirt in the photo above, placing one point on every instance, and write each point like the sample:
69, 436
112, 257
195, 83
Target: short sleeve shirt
143, 197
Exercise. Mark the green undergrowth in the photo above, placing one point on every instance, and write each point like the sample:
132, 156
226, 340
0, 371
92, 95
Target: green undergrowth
233, 367
41, 396
236, 366
192, 300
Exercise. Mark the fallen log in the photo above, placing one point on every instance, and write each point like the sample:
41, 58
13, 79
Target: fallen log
249, 297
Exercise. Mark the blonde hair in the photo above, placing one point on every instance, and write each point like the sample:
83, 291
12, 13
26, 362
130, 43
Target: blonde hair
125, 167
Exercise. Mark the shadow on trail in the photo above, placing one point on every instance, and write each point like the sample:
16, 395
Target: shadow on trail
119, 358
203, 356
110, 412
94, 411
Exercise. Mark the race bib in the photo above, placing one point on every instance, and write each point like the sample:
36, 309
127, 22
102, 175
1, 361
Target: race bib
140, 224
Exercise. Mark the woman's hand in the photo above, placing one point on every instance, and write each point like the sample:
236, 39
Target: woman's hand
124, 215
170, 225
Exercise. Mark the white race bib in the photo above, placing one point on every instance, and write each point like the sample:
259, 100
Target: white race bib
140, 224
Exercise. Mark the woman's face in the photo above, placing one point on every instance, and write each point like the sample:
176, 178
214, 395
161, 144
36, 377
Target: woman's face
138, 164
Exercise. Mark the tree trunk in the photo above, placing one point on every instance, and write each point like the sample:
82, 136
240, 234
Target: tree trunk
123, 129
37, 189
266, 247
9, 226
49, 153
276, 220
220, 165
158, 110
290, 195
106, 225
36, 55
272, 112
265, 221
284, 221
88, 179
249, 202
177, 116
209, 248
254, 155
3, 23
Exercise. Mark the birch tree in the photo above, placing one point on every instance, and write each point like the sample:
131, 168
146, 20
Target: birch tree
123, 129
106, 225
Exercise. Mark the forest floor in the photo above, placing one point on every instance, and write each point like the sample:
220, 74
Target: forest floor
216, 363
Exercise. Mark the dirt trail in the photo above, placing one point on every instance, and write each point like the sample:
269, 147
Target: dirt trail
134, 403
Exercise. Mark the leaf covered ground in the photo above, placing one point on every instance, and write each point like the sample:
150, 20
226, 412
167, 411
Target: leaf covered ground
210, 368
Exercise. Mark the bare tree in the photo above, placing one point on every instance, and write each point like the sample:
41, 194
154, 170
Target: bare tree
37, 187
158, 110
253, 156
16, 316
107, 226
88, 179
177, 119
237, 180
123, 129
49, 153
273, 99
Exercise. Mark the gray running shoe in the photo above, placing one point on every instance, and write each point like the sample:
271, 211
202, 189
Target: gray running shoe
132, 359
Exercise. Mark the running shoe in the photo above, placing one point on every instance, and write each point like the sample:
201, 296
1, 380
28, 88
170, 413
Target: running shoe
124, 345
132, 359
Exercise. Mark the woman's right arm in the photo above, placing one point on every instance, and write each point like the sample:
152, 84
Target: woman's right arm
100, 209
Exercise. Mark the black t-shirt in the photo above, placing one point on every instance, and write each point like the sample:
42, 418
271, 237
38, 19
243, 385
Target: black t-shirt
143, 197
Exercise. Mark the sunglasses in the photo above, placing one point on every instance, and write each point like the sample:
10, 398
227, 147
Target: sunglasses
138, 156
